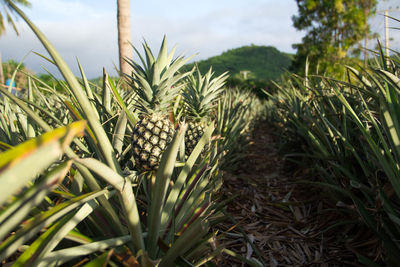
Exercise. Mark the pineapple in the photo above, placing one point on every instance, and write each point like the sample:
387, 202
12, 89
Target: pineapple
156, 86
199, 97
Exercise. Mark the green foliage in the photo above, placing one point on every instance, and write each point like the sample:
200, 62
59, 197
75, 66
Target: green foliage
332, 28
258, 87
78, 196
20, 79
201, 93
347, 132
157, 82
238, 111
50, 81
263, 62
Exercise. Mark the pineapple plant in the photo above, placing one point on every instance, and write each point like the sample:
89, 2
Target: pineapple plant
68, 193
199, 98
156, 85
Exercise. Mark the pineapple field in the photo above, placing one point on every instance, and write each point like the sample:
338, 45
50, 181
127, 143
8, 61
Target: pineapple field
123, 173
171, 166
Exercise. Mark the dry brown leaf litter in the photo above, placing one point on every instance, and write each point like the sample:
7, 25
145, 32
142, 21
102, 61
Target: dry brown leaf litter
287, 221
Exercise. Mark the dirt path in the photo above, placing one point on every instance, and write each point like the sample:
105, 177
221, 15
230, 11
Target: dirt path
288, 222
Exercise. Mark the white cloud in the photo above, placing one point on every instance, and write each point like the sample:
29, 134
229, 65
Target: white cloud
87, 29
90, 39
80, 30
77, 29
225, 28
62, 10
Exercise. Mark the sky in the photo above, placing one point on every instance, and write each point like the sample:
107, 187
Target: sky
86, 30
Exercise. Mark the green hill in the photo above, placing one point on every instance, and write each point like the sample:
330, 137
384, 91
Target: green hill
262, 62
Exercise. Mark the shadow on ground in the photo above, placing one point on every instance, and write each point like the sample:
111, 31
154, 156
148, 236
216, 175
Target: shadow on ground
287, 222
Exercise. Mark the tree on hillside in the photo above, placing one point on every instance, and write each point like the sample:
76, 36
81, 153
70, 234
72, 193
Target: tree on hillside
124, 35
6, 13
333, 30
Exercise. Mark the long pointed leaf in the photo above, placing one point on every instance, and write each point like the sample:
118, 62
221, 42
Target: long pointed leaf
103, 141
22, 163
61, 256
16, 212
162, 179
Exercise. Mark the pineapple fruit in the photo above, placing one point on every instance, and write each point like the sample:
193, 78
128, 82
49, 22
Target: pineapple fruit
150, 137
156, 85
200, 97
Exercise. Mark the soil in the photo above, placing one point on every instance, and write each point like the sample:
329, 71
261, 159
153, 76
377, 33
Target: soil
279, 220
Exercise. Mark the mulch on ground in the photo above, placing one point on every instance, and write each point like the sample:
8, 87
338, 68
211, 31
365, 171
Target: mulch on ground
288, 223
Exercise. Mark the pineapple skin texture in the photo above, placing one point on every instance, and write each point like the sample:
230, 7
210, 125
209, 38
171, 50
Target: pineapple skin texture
150, 137
193, 134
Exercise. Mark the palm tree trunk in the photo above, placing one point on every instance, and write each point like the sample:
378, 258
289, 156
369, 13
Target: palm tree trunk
124, 35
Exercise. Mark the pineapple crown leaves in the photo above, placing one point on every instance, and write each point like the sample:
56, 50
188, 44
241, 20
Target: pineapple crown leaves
202, 91
157, 83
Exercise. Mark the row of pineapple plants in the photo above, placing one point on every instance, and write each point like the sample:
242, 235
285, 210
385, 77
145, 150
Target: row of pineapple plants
123, 173
347, 133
